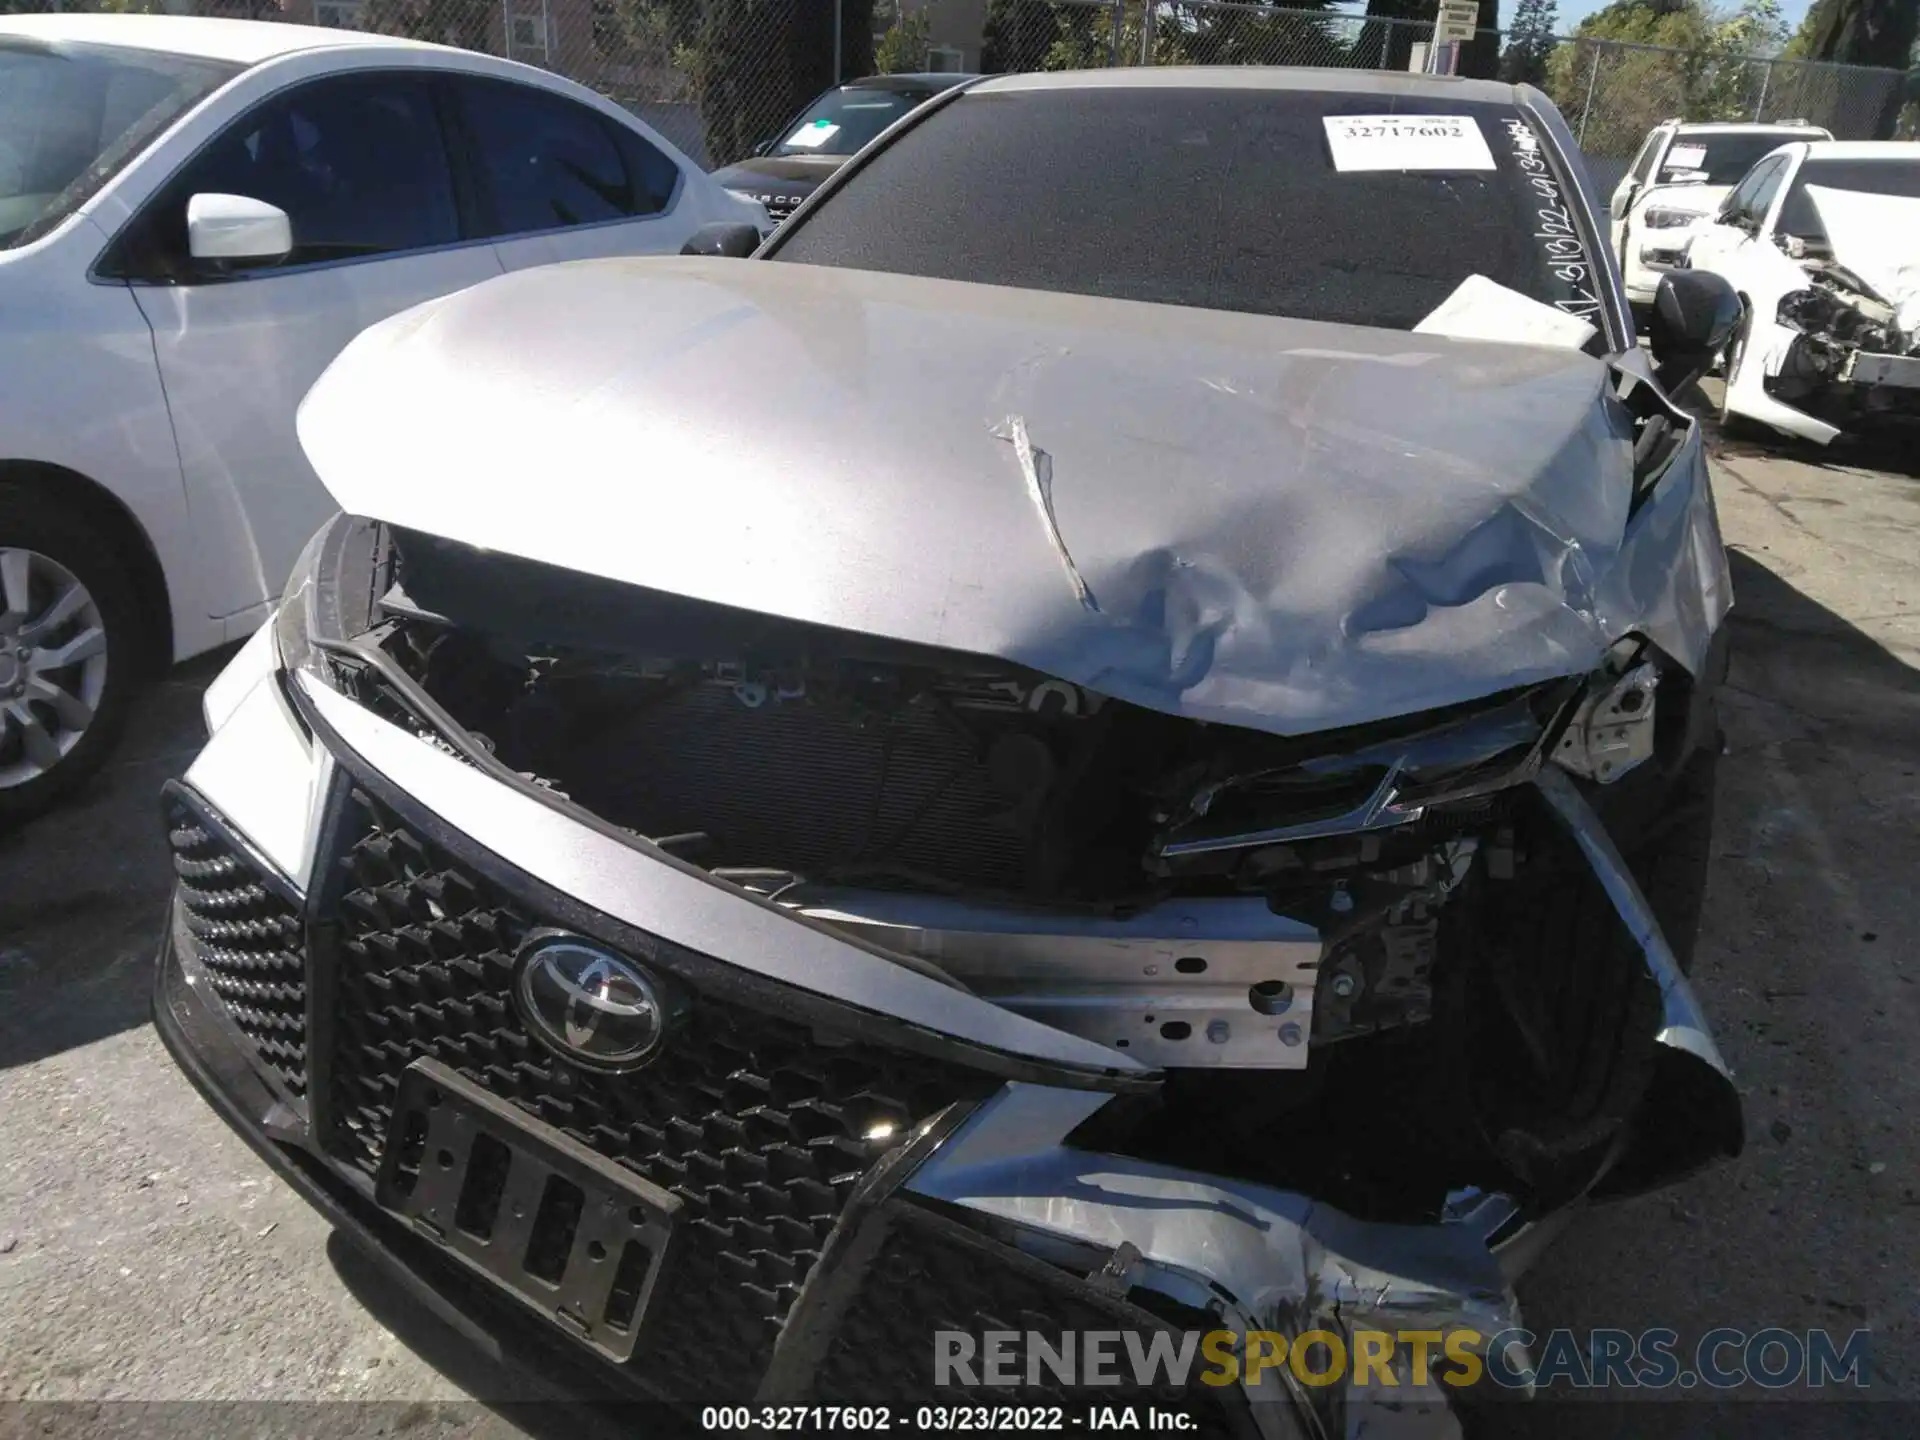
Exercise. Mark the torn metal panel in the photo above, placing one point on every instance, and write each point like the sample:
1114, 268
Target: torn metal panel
1036, 468
1612, 731
1285, 1261
1691, 1116
1206, 982
1670, 580
1288, 526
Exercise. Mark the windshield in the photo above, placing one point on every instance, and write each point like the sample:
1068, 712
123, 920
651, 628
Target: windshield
1717, 159
1223, 199
843, 120
72, 115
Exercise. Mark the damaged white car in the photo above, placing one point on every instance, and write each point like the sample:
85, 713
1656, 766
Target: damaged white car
1821, 242
1680, 176
1059, 747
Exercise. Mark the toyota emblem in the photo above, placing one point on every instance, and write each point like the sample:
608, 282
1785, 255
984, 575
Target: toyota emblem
587, 1004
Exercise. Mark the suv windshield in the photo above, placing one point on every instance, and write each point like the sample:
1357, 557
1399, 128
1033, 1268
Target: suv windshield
72, 115
1225, 199
843, 120
1717, 159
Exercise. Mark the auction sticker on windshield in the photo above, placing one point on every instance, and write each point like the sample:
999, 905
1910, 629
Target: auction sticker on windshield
1407, 142
814, 135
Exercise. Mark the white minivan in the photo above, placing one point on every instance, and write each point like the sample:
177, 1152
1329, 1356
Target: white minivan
196, 215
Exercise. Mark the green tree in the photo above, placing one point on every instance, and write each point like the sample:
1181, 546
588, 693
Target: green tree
1728, 86
1398, 48
757, 62
465, 23
1800, 46
1018, 35
1530, 41
1711, 65
1612, 95
1869, 32
903, 49
1263, 34
1480, 56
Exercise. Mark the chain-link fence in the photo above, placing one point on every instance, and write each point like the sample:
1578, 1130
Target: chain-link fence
719, 76
1612, 93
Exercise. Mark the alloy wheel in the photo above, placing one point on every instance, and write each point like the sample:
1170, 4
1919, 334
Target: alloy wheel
53, 664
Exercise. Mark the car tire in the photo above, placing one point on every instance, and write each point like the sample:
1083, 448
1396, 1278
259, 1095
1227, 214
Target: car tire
69, 661
1733, 425
1671, 860
1551, 1123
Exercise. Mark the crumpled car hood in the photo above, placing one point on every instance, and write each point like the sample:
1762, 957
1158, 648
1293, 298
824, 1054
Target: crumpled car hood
1279, 524
1877, 237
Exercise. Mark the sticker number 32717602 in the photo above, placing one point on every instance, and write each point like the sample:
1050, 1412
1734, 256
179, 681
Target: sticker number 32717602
1407, 142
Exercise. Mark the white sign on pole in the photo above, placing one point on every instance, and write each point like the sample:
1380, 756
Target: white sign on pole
1457, 20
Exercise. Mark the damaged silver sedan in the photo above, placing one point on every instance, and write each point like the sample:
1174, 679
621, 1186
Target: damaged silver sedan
1116, 733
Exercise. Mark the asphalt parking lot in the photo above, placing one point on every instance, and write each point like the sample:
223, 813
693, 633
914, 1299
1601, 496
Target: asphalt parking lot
146, 1255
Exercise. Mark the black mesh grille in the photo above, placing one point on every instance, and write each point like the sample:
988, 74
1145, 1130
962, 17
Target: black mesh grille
758, 1123
933, 1274
246, 936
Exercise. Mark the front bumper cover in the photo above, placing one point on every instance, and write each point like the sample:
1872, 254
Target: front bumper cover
872, 1277
1014, 1190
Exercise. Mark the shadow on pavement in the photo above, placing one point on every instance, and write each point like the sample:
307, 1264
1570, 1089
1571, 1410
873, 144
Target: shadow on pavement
84, 887
514, 1402
1891, 452
1805, 972
1795, 652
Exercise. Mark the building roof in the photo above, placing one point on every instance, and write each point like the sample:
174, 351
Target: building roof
243, 42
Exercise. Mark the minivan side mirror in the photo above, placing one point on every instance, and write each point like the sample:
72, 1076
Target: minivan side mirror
1694, 312
732, 239
236, 227
1623, 201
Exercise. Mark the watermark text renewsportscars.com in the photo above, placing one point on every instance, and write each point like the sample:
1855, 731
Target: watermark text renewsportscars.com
1771, 1357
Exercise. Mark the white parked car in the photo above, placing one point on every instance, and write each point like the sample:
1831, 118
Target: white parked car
1680, 175
1822, 244
196, 215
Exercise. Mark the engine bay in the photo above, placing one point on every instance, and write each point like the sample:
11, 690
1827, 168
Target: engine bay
1302, 931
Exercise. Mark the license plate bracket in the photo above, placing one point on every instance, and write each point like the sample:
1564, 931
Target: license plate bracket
560, 1227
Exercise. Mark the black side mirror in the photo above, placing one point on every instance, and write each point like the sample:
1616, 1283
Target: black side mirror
1694, 312
732, 239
